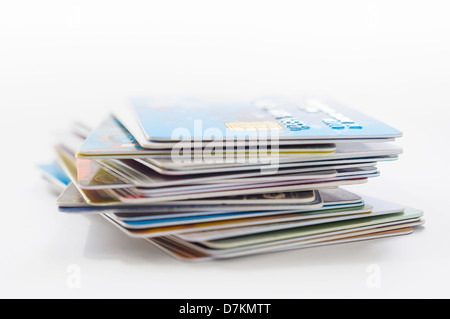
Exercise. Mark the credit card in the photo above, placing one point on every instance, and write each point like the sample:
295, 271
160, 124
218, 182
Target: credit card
303, 119
111, 139
183, 253
373, 207
266, 167
345, 151
293, 234
127, 117
277, 245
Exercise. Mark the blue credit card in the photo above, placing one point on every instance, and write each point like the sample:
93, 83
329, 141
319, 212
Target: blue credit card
306, 119
317, 213
110, 136
55, 171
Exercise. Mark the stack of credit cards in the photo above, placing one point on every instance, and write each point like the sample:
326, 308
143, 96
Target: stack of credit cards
205, 180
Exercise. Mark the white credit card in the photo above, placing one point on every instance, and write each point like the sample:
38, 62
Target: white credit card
373, 207
135, 199
272, 246
246, 226
136, 174
181, 252
247, 186
301, 233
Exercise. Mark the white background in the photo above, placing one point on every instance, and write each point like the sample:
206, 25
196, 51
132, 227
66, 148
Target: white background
62, 61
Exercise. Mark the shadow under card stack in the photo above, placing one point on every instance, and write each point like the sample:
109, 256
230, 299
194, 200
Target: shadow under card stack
208, 181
